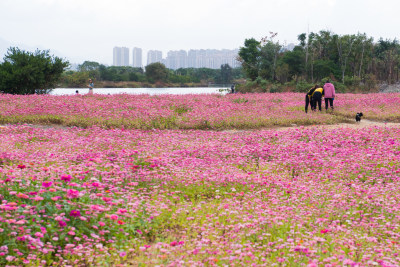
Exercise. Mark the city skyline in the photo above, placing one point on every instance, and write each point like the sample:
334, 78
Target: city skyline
175, 59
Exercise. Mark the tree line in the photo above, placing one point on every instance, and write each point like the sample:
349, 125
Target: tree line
151, 74
351, 60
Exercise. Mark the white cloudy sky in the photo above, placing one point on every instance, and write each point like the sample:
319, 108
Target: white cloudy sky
89, 29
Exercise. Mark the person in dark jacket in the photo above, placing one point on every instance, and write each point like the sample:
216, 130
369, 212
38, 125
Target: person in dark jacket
317, 97
309, 99
233, 89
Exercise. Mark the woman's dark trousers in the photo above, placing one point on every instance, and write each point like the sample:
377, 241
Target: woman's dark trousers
330, 103
317, 100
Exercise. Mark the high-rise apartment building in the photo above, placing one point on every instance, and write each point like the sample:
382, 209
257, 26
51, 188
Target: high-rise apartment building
121, 56
177, 59
154, 56
137, 57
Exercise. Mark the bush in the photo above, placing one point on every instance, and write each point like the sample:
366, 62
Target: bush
339, 87
259, 85
352, 81
276, 88
303, 86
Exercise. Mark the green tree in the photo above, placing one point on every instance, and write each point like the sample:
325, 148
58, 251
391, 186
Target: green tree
226, 74
295, 61
30, 73
156, 72
344, 47
269, 53
92, 68
388, 59
88, 66
249, 56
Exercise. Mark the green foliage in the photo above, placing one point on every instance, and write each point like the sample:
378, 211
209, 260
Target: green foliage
324, 68
30, 73
258, 86
276, 88
295, 60
250, 57
75, 78
268, 60
240, 100
118, 73
303, 86
353, 59
180, 109
226, 74
99, 72
156, 72
339, 87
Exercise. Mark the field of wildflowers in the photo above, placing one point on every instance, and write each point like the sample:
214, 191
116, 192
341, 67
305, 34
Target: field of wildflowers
240, 111
301, 196
108, 195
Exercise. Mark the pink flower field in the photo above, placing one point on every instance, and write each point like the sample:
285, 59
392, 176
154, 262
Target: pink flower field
121, 190
240, 111
302, 196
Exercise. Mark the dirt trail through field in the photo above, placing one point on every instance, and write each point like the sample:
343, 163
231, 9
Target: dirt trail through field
353, 125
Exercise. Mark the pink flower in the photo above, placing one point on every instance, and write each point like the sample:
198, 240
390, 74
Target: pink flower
114, 217
324, 231
72, 193
21, 238
75, 213
47, 184
62, 224
10, 258
122, 211
66, 178
38, 234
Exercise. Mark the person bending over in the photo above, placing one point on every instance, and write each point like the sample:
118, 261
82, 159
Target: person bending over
317, 97
309, 99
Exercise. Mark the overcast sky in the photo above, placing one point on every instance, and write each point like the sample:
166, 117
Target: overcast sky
82, 30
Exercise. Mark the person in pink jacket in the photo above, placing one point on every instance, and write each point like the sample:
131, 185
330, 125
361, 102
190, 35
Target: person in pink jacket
329, 96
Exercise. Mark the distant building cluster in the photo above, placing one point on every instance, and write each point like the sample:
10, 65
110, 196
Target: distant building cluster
121, 56
204, 58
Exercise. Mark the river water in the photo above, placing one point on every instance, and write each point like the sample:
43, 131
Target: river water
150, 91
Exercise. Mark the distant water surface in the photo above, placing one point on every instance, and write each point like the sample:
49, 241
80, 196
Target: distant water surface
150, 91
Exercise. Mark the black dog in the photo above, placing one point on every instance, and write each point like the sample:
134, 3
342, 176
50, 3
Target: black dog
358, 116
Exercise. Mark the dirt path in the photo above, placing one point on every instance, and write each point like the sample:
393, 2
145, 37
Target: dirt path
362, 124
